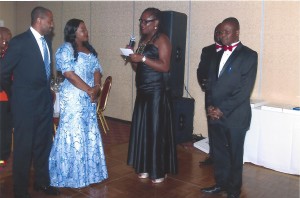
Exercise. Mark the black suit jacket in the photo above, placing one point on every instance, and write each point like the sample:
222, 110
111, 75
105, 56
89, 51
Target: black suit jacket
30, 89
231, 91
205, 59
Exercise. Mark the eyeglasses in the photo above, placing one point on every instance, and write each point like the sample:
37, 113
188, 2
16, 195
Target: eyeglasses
145, 22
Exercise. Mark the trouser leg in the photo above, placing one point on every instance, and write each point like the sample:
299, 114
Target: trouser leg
6, 131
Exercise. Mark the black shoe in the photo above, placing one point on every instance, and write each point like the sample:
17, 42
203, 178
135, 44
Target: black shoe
22, 195
207, 161
49, 190
230, 195
213, 189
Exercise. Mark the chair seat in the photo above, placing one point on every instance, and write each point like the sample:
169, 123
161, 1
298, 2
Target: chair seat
56, 121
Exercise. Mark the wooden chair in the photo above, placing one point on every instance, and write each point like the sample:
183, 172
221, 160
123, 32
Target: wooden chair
102, 102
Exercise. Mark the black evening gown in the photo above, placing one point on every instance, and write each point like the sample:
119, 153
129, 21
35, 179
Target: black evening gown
152, 147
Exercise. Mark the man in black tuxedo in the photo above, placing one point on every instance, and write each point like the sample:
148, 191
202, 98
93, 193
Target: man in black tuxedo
231, 80
202, 76
31, 102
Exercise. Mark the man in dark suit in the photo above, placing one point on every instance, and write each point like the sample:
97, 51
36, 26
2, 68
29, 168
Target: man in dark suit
202, 76
31, 102
231, 80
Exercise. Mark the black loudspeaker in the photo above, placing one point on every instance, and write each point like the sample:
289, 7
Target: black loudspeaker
175, 26
183, 119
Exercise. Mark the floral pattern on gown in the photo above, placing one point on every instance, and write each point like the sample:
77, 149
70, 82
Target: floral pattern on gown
77, 156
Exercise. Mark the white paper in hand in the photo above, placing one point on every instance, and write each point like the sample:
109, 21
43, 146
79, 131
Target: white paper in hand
126, 52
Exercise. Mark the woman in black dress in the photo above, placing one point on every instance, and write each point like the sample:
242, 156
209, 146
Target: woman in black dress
152, 148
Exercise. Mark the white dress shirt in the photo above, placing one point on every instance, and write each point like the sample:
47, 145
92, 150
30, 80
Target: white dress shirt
38, 37
225, 57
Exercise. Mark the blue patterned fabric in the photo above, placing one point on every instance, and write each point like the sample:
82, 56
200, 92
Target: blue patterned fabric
77, 157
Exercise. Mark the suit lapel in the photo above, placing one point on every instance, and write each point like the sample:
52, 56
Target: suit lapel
218, 60
231, 58
35, 45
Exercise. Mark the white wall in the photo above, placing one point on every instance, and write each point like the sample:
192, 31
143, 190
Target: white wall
269, 27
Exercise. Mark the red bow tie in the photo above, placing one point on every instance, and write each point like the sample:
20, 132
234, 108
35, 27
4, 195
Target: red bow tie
229, 47
218, 46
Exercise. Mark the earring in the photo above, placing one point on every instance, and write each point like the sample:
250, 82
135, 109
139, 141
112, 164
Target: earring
155, 27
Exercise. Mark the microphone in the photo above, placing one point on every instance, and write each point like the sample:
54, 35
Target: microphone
131, 44
132, 41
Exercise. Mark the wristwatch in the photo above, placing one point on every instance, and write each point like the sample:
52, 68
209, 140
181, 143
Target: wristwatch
144, 59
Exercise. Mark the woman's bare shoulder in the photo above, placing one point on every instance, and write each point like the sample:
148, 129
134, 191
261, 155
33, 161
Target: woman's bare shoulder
163, 39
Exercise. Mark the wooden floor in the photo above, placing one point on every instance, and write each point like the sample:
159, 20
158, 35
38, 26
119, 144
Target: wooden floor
258, 182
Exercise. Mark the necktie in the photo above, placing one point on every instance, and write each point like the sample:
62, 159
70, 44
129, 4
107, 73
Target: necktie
229, 47
46, 57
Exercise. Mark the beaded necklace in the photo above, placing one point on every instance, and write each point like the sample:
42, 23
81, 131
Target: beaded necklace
142, 46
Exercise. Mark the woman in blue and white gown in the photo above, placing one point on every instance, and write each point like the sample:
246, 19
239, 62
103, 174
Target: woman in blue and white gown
77, 157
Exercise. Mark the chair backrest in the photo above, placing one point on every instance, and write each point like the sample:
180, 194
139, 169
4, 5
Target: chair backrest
53, 96
104, 94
